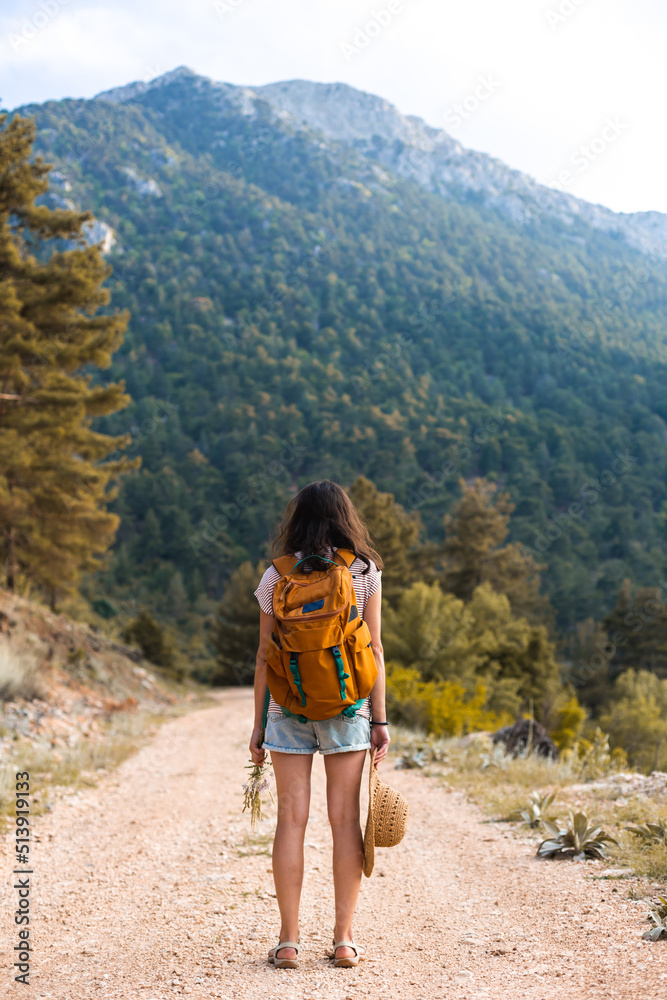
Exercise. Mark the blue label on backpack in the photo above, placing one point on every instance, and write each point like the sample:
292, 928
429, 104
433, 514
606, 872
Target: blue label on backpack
313, 606
353, 613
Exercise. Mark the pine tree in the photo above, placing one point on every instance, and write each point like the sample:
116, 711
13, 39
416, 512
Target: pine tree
177, 598
236, 629
636, 632
54, 484
473, 552
149, 542
395, 534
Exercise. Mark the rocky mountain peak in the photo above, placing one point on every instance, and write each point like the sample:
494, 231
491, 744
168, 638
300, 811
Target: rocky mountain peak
409, 147
343, 113
131, 91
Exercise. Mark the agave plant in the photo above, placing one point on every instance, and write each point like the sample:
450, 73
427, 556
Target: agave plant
418, 752
579, 840
533, 815
658, 917
412, 759
650, 833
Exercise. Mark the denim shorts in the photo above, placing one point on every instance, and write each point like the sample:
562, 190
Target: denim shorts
287, 735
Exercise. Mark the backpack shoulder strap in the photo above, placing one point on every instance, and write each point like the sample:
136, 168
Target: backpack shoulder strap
283, 564
347, 556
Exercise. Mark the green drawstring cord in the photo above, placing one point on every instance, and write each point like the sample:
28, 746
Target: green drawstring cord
341, 671
294, 667
352, 710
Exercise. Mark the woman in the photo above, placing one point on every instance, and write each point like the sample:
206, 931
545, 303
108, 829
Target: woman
319, 519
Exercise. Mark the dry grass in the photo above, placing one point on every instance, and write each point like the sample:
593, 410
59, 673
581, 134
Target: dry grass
648, 861
81, 765
7, 793
72, 767
493, 780
500, 785
255, 843
19, 675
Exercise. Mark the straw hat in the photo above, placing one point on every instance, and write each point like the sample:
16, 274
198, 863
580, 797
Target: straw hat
387, 818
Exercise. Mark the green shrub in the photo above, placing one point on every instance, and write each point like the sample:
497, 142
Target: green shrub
443, 708
144, 632
637, 719
591, 759
473, 643
569, 723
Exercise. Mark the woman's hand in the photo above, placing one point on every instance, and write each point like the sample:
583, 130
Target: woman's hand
380, 739
257, 754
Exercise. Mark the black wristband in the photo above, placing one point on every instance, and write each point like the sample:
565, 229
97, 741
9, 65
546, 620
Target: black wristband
379, 723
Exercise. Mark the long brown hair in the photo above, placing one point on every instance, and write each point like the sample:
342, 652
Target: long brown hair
322, 515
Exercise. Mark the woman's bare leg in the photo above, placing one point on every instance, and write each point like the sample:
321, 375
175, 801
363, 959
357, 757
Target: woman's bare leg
344, 772
292, 773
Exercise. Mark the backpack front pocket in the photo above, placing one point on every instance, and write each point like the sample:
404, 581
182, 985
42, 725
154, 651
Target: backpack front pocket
362, 660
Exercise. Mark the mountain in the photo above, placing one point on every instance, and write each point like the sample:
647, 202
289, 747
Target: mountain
407, 146
320, 286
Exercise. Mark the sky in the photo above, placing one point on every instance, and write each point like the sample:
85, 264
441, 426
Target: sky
569, 91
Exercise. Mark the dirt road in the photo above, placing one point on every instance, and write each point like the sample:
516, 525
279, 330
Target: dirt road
149, 885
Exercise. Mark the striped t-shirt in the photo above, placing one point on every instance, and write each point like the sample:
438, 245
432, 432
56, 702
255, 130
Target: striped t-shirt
365, 585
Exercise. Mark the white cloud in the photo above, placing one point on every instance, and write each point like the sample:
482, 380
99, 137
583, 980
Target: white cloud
558, 81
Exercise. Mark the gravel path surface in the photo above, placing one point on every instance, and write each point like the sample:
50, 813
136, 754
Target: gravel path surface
150, 885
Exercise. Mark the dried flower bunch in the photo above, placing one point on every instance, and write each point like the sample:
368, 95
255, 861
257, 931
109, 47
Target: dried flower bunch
257, 783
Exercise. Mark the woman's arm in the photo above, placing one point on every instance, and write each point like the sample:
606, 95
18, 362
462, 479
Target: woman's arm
379, 734
257, 754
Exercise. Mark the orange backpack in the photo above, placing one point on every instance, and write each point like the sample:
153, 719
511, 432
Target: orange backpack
319, 661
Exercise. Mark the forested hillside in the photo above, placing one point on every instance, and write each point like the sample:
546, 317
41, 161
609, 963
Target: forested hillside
297, 311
